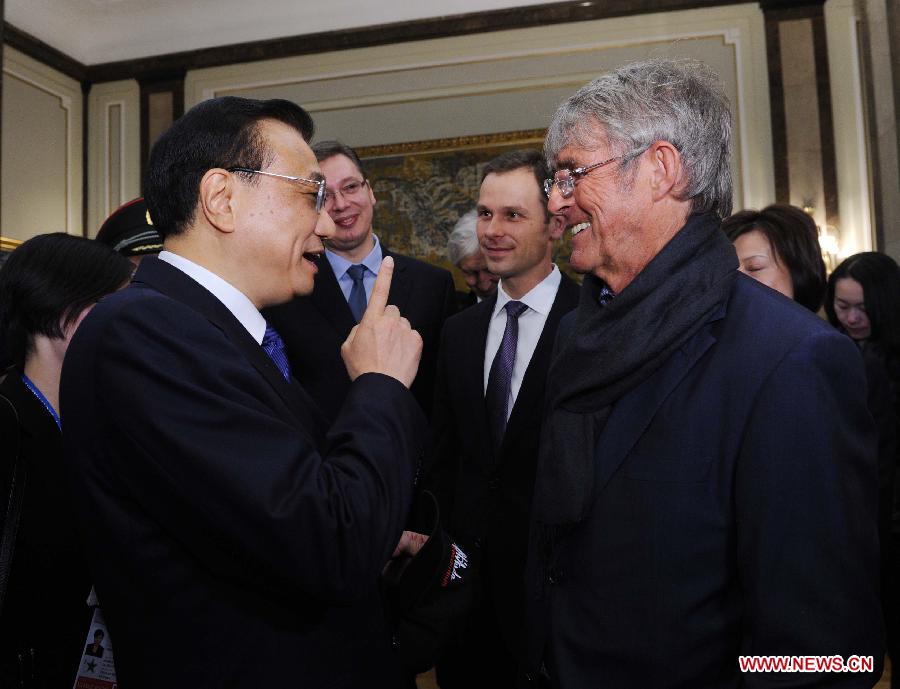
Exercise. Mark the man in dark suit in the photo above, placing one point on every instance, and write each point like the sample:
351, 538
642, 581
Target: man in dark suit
313, 327
707, 483
211, 493
487, 414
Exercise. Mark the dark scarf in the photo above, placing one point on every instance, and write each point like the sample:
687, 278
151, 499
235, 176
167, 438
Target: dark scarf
612, 349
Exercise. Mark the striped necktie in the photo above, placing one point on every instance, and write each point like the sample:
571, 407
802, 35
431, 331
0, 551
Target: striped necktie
273, 345
499, 387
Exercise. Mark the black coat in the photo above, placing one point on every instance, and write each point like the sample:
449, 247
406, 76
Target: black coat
734, 512
236, 541
485, 499
45, 608
314, 328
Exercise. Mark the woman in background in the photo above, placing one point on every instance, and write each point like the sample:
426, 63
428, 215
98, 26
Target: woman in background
863, 301
47, 286
779, 247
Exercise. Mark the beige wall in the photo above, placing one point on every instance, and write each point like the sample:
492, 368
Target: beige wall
511, 80
442, 88
882, 119
855, 229
42, 149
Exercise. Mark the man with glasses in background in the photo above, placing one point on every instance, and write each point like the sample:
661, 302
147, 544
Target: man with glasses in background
213, 496
314, 327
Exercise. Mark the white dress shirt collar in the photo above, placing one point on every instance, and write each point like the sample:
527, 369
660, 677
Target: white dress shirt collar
540, 298
233, 299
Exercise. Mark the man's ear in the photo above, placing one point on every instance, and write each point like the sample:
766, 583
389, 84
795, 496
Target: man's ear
217, 199
371, 193
557, 224
665, 169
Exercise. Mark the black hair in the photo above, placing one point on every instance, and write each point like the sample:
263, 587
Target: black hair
221, 132
793, 236
324, 150
48, 281
525, 158
879, 276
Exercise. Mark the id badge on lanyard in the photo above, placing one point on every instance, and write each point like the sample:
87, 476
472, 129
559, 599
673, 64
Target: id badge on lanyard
96, 669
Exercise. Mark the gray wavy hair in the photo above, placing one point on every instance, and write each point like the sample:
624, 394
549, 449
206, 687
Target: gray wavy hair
463, 240
679, 101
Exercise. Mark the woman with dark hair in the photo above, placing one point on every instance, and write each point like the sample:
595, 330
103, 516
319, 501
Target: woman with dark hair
863, 301
779, 246
47, 286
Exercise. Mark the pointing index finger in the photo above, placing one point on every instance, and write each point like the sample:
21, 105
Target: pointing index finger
382, 287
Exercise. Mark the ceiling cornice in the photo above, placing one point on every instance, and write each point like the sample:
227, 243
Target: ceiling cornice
42, 52
176, 65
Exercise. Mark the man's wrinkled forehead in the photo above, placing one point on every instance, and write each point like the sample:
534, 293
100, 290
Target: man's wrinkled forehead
581, 141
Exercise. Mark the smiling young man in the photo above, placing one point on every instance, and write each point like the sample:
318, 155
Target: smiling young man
707, 481
488, 402
213, 494
314, 327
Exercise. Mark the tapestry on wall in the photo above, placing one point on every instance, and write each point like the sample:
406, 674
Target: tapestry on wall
423, 187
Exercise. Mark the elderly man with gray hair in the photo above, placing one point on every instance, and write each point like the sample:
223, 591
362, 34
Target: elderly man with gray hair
707, 486
464, 252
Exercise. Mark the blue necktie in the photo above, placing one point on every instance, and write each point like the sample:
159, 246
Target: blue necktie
499, 385
273, 345
357, 300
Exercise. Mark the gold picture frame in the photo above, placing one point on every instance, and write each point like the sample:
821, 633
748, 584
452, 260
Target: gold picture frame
7, 245
423, 187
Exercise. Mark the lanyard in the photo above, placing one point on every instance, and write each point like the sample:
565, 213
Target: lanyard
43, 400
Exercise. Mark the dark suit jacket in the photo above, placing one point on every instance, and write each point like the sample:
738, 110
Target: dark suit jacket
95, 650
733, 513
485, 498
314, 328
45, 606
220, 507
465, 299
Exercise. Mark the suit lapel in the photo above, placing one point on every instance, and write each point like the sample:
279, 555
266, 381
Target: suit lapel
632, 414
330, 301
173, 283
531, 393
472, 371
401, 286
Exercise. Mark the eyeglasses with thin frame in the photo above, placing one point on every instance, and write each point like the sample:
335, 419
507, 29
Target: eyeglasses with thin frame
349, 190
566, 183
319, 183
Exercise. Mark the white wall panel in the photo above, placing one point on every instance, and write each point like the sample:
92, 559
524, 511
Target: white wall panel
42, 149
511, 80
114, 149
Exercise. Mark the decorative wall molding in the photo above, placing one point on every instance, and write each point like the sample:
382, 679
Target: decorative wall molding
175, 65
68, 93
854, 189
113, 149
36, 49
737, 26
457, 143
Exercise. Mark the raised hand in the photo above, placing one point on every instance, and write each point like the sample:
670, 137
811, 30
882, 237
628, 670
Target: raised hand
383, 341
